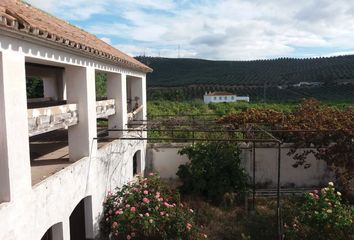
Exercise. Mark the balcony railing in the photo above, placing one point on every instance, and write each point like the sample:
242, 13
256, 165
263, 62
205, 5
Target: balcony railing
41, 120
105, 108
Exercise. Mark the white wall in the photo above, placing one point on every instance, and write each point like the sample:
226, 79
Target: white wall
164, 158
27, 212
52, 200
228, 98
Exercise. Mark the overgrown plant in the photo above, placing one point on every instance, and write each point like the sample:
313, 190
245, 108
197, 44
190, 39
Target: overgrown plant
328, 131
320, 215
214, 171
146, 209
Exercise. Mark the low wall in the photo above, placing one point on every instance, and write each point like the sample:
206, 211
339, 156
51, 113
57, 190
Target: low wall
164, 158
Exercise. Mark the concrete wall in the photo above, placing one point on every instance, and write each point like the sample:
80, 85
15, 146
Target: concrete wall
164, 158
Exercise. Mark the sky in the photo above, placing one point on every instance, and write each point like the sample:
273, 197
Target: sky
215, 29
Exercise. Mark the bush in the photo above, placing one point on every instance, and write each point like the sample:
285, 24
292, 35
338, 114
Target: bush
213, 171
146, 209
321, 215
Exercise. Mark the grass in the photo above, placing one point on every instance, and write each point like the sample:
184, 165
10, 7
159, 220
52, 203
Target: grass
236, 222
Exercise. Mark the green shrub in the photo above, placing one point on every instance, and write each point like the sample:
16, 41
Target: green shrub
146, 209
214, 170
320, 215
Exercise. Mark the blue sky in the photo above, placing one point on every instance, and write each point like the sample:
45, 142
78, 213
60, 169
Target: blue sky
215, 29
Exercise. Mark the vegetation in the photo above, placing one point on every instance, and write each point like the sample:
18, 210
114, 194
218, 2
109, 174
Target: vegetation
214, 171
146, 209
34, 88
170, 72
198, 107
327, 130
262, 80
320, 215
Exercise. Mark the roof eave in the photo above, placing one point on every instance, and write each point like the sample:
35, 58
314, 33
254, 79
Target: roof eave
13, 27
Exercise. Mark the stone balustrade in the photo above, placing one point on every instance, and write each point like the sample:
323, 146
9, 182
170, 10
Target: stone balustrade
41, 120
105, 108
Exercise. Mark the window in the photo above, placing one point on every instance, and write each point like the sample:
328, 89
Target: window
220, 98
214, 98
232, 98
225, 98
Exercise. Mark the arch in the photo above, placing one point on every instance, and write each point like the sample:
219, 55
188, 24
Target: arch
137, 158
81, 221
55, 232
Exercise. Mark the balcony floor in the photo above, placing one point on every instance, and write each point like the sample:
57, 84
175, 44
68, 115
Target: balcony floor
50, 153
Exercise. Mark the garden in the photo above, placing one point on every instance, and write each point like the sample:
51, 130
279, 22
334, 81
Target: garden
212, 200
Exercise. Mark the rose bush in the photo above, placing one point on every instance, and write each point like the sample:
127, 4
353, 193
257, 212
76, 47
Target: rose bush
320, 215
147, 209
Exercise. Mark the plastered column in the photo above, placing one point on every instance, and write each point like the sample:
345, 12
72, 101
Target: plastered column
66, 229
50, 87
80, 83
15, 172
116, 89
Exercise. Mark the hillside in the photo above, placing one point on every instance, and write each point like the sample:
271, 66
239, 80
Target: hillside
278, 79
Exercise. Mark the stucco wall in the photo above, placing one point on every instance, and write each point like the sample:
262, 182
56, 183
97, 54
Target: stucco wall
52, 200
164, 158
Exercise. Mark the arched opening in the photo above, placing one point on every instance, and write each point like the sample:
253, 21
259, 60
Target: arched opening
81, 224
55, 232
137, 162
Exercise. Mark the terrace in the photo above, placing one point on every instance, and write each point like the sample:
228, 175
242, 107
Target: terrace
54, 114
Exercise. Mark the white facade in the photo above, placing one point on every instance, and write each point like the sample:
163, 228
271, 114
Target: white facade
218, 98
27, 211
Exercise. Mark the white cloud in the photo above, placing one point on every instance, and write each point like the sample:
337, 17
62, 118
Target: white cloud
223, 29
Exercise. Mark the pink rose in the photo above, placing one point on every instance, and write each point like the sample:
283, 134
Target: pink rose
189, 226
114, 224
145, 200
133, 209
129, 237
146, 192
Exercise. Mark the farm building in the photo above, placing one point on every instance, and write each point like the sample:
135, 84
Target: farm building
54, 175
217, 97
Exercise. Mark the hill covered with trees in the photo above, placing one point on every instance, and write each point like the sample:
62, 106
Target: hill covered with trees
277, 79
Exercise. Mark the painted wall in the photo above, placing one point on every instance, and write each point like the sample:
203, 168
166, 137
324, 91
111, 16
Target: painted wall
164, 158
229, 98
52, 200
26, 211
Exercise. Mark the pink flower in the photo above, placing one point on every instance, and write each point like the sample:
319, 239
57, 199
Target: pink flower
119, 212
133, 209
189, 226
162, 213
147, 214
205, 236
114, 224
127, 206
141, 215
151, 174
191, 210
145, 200
146, 192
129, 237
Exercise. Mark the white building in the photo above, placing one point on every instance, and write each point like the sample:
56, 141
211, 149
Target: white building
54, 175
217, 97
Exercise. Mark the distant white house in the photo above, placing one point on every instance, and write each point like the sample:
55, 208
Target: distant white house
217, 97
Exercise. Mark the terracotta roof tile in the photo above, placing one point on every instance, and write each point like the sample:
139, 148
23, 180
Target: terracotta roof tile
22, 17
